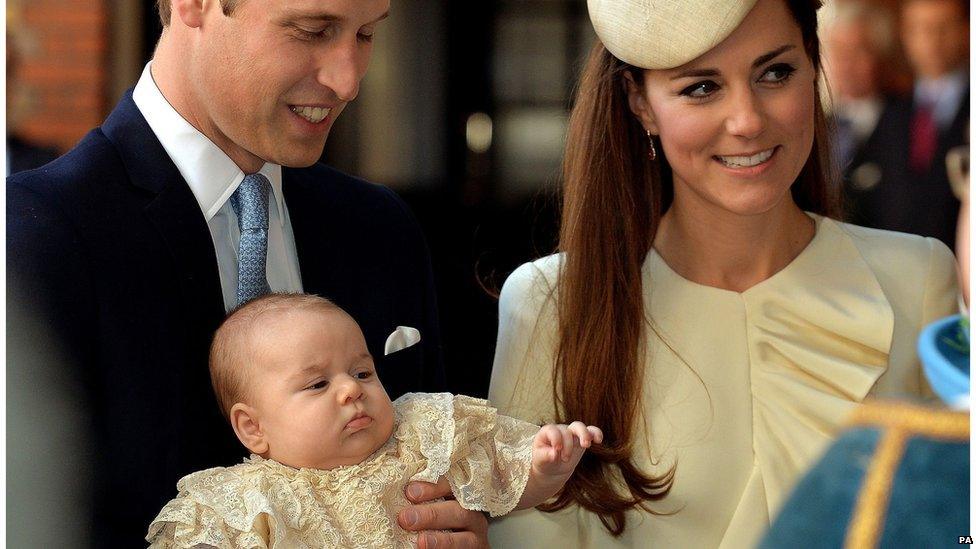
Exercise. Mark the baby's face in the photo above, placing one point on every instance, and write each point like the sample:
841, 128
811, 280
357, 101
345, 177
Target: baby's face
314, 385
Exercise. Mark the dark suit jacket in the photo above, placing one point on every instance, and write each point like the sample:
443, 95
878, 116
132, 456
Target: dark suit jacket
110, 247
881, 191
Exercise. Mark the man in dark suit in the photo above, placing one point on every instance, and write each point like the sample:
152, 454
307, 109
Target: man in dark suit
898, 179
130, 246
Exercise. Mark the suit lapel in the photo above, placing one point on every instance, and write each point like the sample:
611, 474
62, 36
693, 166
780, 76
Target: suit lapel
171, 207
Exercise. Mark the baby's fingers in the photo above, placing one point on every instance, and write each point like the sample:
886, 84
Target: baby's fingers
596, 433
578, 429
569, 443
549, 438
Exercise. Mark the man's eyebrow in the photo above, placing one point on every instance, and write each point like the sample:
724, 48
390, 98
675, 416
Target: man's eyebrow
325, 17
762, 59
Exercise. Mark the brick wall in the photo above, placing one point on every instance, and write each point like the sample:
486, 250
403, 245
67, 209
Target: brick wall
63, 71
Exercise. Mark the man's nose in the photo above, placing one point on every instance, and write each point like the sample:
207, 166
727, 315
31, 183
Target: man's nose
341, 68
746, 117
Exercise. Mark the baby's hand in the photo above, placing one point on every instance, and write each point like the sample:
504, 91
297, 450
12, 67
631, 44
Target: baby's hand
557, 449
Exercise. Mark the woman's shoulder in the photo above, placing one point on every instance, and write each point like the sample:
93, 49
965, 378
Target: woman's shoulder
534, 276
915, 271
885, 249
530, 289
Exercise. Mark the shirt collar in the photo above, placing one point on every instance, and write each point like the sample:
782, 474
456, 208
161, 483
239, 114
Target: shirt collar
211, 175
933, 90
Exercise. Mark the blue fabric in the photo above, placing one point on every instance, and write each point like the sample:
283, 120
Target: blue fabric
943, 347
929, 504
250, 203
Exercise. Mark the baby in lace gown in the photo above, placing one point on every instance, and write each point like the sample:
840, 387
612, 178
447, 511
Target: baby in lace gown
331, 454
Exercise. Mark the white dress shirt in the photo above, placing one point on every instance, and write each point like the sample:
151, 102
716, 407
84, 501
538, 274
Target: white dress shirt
213, 177
943, 95
863, 115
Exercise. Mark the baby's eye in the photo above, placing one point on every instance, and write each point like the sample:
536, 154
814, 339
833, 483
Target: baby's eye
364, 375
700, 90
318, 385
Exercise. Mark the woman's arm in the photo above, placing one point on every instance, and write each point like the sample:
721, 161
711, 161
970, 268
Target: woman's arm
521, 377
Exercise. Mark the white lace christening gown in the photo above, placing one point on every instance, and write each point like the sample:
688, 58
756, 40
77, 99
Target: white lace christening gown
262, 503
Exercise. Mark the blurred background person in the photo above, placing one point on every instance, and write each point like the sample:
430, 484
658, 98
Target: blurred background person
897, 181
858, 39
22, 153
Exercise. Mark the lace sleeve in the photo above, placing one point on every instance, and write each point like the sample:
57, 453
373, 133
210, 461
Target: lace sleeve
255, 504
485, 457
185, 523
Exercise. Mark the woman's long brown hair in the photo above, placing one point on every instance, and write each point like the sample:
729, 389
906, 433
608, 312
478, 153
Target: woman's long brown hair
613, 199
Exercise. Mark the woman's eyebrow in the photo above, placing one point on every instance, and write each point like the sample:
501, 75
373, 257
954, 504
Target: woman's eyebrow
762, 59
695, 73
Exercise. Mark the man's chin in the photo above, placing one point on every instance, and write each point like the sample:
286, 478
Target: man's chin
302, 160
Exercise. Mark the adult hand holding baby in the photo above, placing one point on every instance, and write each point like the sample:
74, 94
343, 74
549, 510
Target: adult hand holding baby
447, 523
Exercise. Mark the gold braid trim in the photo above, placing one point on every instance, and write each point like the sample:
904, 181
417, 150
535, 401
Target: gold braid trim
913, 420
898, 423
867, 521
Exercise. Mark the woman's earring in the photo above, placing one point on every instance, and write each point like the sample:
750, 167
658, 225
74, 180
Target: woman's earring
651, 151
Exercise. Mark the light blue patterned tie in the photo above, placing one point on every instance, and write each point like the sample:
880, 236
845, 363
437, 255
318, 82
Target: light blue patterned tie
250, 203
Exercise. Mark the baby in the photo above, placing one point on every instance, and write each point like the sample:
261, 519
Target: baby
331, 454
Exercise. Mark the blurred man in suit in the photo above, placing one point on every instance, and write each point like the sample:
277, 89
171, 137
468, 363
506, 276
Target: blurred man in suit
22, 154
898, 181
200, 190
857, 39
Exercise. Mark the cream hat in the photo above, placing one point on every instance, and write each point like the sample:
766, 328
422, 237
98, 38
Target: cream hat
663, 34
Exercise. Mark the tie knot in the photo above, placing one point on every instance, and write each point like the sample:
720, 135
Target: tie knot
250, 202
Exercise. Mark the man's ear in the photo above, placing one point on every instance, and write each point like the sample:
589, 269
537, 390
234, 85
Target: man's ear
189, 12
247, 426
637, 101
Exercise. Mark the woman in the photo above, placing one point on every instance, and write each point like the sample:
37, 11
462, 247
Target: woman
705, 310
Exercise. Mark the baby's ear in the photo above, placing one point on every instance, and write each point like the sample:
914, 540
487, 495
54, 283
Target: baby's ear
247, 427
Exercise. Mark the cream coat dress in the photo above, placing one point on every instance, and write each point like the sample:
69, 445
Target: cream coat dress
756, 385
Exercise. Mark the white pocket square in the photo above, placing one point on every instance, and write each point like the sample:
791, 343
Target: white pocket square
401, 338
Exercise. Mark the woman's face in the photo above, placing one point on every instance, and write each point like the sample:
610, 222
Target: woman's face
737, 123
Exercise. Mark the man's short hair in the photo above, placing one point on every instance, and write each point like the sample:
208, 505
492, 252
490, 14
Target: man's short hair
878, 20
229, 354
165, 9
963, 6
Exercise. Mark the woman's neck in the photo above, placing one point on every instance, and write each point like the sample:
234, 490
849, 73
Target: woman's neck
717, 248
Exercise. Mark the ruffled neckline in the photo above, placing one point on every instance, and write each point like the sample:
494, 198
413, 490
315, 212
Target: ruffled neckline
819, 334
656, 262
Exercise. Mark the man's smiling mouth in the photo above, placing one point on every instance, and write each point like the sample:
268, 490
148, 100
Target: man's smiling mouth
312, 114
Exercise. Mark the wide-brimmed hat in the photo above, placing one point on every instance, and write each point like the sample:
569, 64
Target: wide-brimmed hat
663, 34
